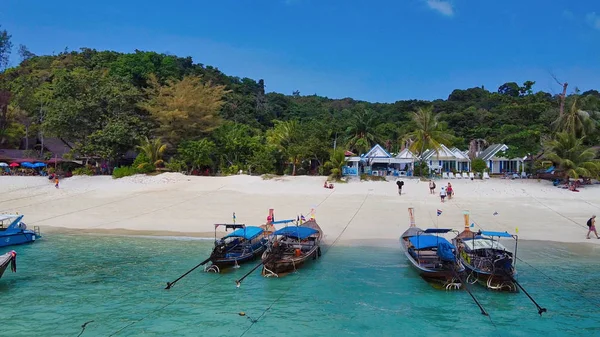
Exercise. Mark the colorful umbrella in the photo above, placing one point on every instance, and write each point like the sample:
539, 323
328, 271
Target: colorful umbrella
14, 164
38, 165
3, 164
27, 164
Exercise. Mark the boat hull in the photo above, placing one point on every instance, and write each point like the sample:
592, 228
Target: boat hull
5, 261
18, 238
492, 281
226, 262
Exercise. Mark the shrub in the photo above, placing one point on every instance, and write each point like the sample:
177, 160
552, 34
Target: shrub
478, 165
83, 171
120, 172
145, 168
175, 165
366, 177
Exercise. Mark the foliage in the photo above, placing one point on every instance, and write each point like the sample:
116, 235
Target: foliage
429, 132
184, 109
196, 154
575, 121
336, 164
5, 48
478, 165
263, 160
124, 171
287, 138
83, 171
367, 177
153, 150
175, 165
572, 157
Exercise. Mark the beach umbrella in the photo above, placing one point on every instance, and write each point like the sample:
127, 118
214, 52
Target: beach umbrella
27, 164
3, 164
39, 165
14, 164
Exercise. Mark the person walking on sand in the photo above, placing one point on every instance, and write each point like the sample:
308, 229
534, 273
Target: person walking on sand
56, 182
591, 223
443, 194
449, 190
400, 183
431, 187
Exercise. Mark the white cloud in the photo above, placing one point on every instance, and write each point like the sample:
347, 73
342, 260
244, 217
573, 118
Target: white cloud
441, 6
593, 20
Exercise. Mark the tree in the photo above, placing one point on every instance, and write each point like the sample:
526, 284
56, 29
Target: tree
153, 149
571, 157
361, 129
5, 49
186, 109
287, 138
196, 153
575, 121
428, 133
336, 163
24, 53
478, 165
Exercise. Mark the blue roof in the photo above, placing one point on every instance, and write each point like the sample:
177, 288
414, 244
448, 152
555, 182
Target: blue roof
428, 241
437, 230
299, 232
500, 234
247, 233
282, 221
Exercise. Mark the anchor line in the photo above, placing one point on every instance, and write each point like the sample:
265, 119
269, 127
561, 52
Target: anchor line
165, 306
299, 275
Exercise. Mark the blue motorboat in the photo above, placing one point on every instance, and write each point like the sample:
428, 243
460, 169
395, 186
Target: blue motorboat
7, 259
13, 231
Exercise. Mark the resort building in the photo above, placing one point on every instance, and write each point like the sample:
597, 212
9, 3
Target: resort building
447, 160
379, 162
497, 162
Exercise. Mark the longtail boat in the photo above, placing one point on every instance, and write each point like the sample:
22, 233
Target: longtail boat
432, 255
7, 259
244, 244
486, 260
290, 247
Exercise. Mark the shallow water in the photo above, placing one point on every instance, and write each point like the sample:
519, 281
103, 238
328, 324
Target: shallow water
117, 283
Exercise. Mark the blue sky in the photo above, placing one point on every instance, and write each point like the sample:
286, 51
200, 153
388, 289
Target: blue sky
379, 50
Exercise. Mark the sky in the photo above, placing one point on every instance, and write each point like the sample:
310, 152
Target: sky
378, 50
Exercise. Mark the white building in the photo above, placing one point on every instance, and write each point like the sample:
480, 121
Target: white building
447, 160
497, 162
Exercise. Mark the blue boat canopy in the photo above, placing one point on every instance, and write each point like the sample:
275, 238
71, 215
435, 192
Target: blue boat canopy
428, 241
247, 233
298, 232
500, 234
437, 230
282, 221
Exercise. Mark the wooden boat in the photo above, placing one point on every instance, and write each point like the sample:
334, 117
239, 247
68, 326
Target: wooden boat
291, 246
7, 259
14, 232
433, 256
244, 244
486, 260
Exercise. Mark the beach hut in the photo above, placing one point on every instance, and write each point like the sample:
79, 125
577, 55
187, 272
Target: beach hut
377, 161
407, 161
447, 160
497, 162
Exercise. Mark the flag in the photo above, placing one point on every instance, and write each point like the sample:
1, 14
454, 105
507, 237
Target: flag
495, 213
439, 212
517, 230
302, 217
472, 225
233, 217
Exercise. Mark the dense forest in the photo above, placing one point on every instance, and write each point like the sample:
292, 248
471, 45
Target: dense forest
186, 116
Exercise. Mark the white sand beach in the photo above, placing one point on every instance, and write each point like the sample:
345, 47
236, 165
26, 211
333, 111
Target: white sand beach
355, 212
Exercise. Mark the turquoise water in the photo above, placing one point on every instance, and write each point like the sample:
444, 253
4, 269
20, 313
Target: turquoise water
64, 281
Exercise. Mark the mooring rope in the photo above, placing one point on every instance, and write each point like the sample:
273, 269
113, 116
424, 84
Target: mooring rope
165, 306
254, 321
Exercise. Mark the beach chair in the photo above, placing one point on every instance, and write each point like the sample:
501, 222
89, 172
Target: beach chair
458, 175
523, 175
445, 175
465, 175
515, 176
451, 175
471, 175
486, 175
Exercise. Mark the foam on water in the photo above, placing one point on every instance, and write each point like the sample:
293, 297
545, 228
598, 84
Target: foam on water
117, 282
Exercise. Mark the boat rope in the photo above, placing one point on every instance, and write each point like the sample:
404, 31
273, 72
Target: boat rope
300, 274
165, 306
83, 326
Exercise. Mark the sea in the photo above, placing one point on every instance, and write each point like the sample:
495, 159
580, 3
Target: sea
89, 285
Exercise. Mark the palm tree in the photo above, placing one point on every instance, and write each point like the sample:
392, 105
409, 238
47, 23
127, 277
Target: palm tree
572, 158
429, 132
153, 149
361, 129
287, 138
336, 163
575, 121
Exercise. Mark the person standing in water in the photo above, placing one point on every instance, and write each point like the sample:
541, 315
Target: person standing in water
591, 223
